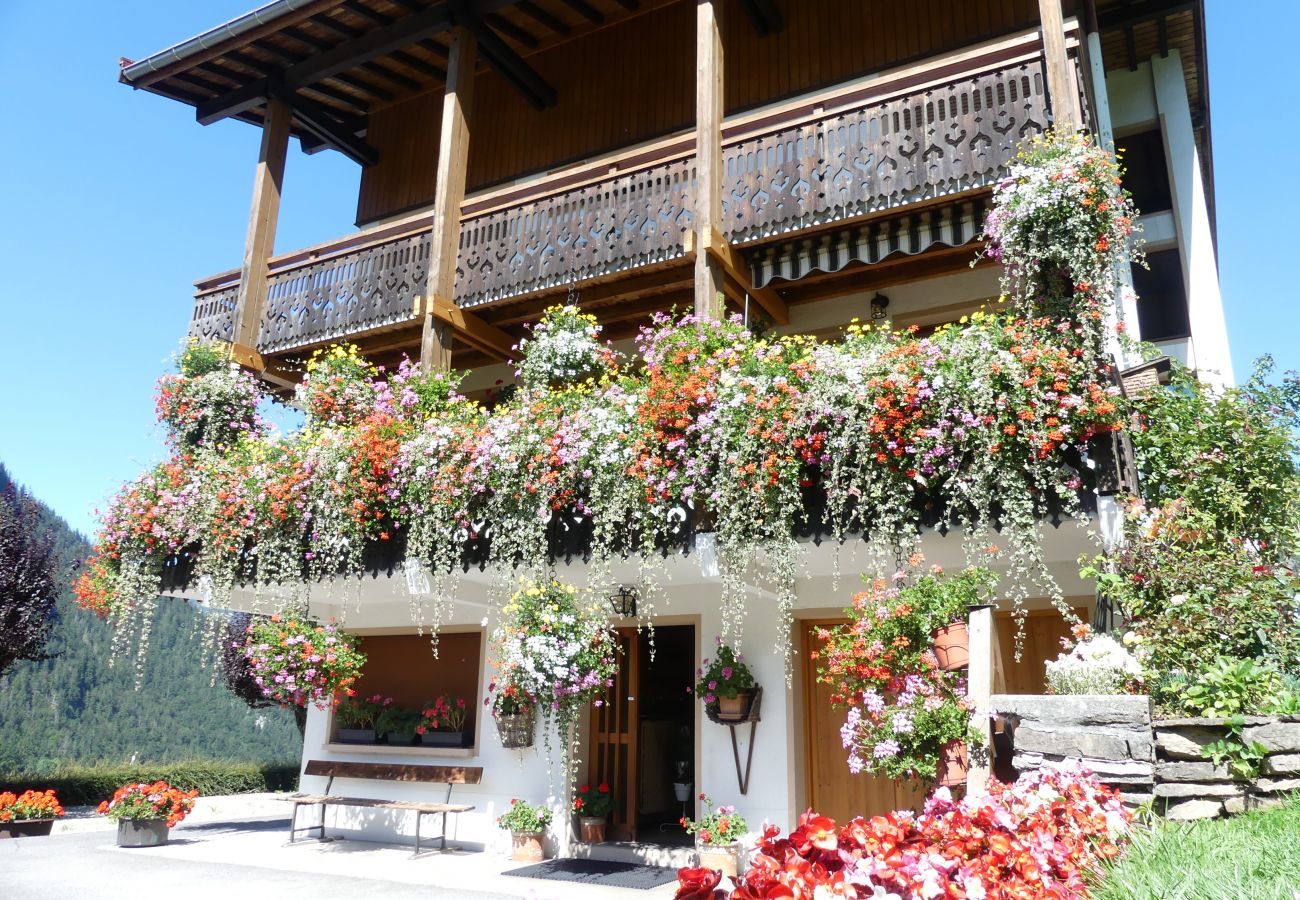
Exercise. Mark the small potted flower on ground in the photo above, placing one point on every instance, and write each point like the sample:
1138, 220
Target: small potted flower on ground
442, 724
515, 713
717, 837
357, 718
29, 814
145, 813
593, 807
399, 725
527, 825
726, 685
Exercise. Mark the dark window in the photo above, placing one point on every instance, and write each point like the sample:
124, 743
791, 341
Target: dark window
1162, 298
1147, 177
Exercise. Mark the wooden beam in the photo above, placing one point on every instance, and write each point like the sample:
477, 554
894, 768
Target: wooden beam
586, 10
1057, 63
263, 216
543, 18
764, 15
735, 267
509, 64
488, 338
349, 54
709, 280
321, 123
449, 195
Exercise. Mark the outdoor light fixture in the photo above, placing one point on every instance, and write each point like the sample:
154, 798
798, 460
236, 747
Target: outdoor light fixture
624, 602
879, 304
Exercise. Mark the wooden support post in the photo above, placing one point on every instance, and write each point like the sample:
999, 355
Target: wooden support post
710, 281
449, 194
262, 218
1060, 84
983, 678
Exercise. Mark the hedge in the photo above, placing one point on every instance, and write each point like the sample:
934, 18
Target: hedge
87, 785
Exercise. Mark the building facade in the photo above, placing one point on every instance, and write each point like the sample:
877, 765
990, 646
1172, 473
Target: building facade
803, 164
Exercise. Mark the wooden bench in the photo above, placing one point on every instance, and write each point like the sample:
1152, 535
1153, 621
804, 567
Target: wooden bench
448, 775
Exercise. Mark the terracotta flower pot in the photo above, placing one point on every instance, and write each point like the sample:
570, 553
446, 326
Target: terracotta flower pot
952, 646
724, 858
735, 709
526, 846
142, 832
954, 763
26, 828
592, 828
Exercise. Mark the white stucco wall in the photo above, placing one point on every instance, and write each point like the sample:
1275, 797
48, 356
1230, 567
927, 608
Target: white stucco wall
776, 791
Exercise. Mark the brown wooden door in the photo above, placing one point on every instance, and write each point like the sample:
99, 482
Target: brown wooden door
613, 754
1044, 629
832, 789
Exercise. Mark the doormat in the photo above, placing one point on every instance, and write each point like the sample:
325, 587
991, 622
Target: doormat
599, 871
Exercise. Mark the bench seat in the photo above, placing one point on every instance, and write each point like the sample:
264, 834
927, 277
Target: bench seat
448, 775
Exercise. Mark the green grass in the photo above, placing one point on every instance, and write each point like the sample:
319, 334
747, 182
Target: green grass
85, 785
1255, 856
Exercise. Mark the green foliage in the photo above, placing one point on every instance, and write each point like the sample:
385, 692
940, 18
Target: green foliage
1232, 687
524, 818
1231, 456
399, 720
725, 676
87, 785
30, 576
202, 358
1242, 757
1255, 855
76, 707
361, 712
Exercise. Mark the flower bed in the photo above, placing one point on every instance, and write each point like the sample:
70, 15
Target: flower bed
1040, 837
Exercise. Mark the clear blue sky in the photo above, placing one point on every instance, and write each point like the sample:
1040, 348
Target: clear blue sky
115, 201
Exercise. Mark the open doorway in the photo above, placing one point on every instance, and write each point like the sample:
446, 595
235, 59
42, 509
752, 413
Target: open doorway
643, 736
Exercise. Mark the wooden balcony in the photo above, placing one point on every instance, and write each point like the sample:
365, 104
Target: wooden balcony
942, 129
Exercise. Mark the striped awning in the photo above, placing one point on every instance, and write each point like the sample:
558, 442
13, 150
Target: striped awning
950, 225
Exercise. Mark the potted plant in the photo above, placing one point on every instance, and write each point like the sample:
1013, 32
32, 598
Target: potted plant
717, 837
906, 715
442, 724
145, 813
356, 719
726, 685
29, 814
515, 715
593, 807
946, 604
399, 725
527, 825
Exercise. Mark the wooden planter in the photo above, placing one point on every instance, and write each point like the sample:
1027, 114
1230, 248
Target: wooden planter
954, 764
516, 731
724, 859
26, 828
526, 846
142, 832
592, 829
952, 646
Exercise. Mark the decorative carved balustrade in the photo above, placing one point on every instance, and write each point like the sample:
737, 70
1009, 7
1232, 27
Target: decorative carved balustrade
883, 154
878, 147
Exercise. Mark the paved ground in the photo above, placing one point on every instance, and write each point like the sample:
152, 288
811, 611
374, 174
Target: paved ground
249, 859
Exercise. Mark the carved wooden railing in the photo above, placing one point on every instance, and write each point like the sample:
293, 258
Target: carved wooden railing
914, 137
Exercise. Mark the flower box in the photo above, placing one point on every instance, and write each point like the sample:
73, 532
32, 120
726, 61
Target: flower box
400, 738
443, 739
142, 832
26, 828
356, 736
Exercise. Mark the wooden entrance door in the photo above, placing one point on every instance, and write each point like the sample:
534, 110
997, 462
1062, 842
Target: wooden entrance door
612, 756
832, 789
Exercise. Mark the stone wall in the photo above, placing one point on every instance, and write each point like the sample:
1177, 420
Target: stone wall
1162, 761
1111, 735
1190, 786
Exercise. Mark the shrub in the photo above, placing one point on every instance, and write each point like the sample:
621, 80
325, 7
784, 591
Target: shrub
89, 785
524, 818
